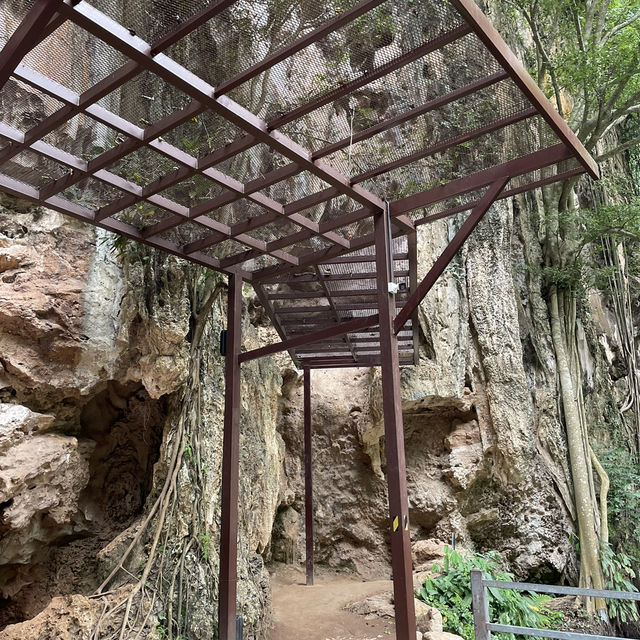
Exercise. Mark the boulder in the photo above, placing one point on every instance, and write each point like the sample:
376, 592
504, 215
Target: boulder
379, 605
426, 552
428, 619
440, 635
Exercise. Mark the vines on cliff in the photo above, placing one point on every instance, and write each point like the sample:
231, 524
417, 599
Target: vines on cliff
586, 57
170, 538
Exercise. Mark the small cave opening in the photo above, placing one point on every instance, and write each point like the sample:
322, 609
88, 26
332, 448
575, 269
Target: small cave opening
120, 435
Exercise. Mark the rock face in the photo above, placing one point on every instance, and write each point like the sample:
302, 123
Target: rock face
92, 361
96, 364
41, 478
485, 455
67, 618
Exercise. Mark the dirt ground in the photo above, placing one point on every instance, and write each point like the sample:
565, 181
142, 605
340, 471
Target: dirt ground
317, 613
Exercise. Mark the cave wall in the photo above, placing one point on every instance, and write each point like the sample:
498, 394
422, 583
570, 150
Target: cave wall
94, 354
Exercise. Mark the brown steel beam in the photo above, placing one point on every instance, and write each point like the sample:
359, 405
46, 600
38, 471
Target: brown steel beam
275, 321
505, 194
96, 168
416, 112
363, 342
295, 334
302, 318
113, 80
147, 137
21, 190
342, 348
412, 241
474, 181
344, 293
342, 364
308, 478
322, 256
446, 144
301, 43
513, 168
370, 76
230, 467
396, 472
80, 170
499, 49
190, 24
371, 257
274, 215
320, 326
327, 194
74, 106
308, 338
450, 251
285, 311
29, 34
336, 313
353, 276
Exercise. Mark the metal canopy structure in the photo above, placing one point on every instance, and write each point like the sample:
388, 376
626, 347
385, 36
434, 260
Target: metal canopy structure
296, 145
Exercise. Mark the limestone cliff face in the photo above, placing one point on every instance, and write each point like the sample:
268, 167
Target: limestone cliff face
94, 359
485, 453
96, 364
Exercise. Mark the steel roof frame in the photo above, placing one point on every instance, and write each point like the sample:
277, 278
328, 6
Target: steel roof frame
47, 15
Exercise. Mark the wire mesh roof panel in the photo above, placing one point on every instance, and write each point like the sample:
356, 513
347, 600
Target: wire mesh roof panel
262, 137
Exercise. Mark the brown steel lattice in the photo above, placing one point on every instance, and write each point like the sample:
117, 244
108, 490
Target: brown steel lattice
375, 117
425, 113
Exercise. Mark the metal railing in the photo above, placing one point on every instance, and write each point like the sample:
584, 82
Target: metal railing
480, 601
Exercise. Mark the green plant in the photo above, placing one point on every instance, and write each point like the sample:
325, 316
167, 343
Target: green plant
205, 542
623, 500
450, 593
161, 629
618, 574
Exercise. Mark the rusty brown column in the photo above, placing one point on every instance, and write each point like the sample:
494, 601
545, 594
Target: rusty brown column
308, 478
394, 439
230, 464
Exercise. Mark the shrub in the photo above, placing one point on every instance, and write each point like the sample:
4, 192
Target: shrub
450, 593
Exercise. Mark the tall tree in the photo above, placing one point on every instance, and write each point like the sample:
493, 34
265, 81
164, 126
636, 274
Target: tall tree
585, 54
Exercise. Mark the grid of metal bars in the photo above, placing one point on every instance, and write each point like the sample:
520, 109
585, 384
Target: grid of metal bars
420, 105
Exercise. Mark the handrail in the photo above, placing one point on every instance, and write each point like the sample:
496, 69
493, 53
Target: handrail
571, 591
480, 603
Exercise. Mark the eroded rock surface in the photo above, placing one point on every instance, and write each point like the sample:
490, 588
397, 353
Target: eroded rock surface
484, 450
41, 478
94, 352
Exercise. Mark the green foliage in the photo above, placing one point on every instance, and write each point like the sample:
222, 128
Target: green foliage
205, 543
450, 593
620, 221
585, 231
623, 500
586, 57
618, 573
630, 131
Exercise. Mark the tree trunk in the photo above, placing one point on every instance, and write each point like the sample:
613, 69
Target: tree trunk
590, 567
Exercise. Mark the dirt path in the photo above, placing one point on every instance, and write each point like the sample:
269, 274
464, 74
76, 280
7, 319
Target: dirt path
317, 613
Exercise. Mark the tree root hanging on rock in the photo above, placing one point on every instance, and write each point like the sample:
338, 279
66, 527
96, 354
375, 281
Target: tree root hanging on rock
140, 597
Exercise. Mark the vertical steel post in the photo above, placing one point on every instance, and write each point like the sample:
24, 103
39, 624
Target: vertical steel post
394, 441
308, 478
230, 464
480, 603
